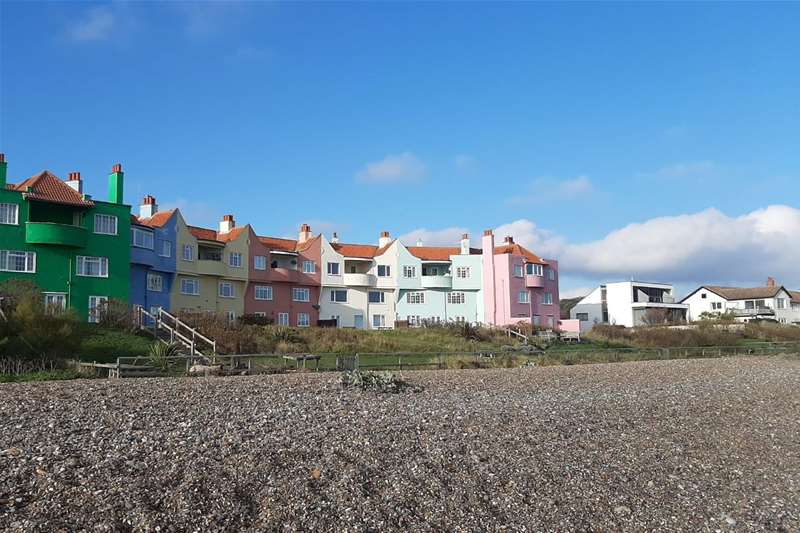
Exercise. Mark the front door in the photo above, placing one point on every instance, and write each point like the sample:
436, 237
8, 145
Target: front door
358, 321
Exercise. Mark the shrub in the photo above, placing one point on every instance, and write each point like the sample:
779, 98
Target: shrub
117, 315
160, 354
383, 382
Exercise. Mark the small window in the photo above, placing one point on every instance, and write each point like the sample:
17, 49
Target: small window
93, 267
518, 271
303, 320
333, 269
15, 261
166, 249
55, 302
703, 296
283, 319
301, 294
263, 292
384, 271
142, 238
235, 259
188, 252
462, 272
409, 271
780, 303
9, 214
547, 298
456, 298
377, 297
226, 289
533, 269
378, 321
551, 274
583, 317
523, 297
97, 307
231, 317
309, 267
415, 297
190, 286
106, 225
260, 262
339, 296
155, 282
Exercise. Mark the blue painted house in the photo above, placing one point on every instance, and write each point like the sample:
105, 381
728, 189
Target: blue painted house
153, 254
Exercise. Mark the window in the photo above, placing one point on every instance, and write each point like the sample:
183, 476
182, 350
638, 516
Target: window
456, 298
780, 303
188, 252
378, 321
260, 313
260, 262
760, 304
190, 286
141, 238
106, 225
155, 282
235, 259
94, 267
523, 297
536, 320
300, 294
551, 274
263, 292
166, 249
518, 271
409, 271
55, 301
309, 267
339, 296
283, 319
376, 297
532, 269
14, 261
226, 289
9, 213
413, 320
231, 316
749, 304
430, 271
462, 272
716, 305
703, 296
583, 317
303, 320
97, 306
547, 298
415, 297
384, 271
333, 269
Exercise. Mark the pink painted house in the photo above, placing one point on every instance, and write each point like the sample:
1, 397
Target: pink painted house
518, 285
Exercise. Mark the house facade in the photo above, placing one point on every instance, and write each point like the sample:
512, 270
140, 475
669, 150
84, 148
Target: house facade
629, 304
74, 248
153, 238
771, 302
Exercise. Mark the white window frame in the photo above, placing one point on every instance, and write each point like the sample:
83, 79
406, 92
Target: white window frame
62, 296
235, 259
303, 320
457, 297
381, 321
333, 296
151, 286
29, 260
462, 272
309, 267
409, 271
519, 270
387, 271
81, 260
166, 249
303, 292
231, 316
283, 319
780, 303
93, 315
330, 267
547, 298
523, 297
259, 262
415, 297
381, 297
146, 235
100, 220
6, 212
226, 284
551, 274
534, 269
190, 248
263, 289
195, 282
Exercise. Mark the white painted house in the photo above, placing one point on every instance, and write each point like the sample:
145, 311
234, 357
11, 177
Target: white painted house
629, 304
772, 302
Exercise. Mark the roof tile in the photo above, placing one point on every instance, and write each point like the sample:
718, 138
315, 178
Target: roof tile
47, 187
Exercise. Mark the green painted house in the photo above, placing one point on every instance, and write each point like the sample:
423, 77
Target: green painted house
74, 247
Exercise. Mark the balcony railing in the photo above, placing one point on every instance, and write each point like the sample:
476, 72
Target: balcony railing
53, 233
211, 267
533, 281
359, 280
437, 282
751, 312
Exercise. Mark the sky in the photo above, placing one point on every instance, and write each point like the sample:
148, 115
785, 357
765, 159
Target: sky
650, 141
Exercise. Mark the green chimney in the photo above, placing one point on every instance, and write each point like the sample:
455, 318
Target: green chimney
3, 170
115, 184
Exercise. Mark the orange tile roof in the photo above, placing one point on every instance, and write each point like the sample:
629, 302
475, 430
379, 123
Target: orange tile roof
205, 234
433, 253
283, 245
306, 245
516, 249
157, 220
366, 251
46, 187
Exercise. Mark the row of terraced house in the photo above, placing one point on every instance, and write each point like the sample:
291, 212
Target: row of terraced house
83, 251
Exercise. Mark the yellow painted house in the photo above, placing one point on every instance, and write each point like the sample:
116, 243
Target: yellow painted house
212, 269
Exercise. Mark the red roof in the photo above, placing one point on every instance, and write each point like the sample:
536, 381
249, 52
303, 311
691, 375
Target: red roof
157, 220
516, 249
365, 251
283, 245
46, 187
205, 234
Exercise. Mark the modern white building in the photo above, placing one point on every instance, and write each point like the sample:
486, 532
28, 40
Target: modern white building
629, 304
772, 302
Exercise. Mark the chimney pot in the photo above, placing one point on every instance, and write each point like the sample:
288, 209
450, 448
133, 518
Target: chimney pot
384, 234
770, 281
117, 168
228, 218
2, 158
74, 181
465, 235
487, 232
226, 224
384, 239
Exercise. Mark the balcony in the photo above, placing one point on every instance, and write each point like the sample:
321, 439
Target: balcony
759, 311
211, 267
286, 274
437, 282
57, 234
533, 281
359, 280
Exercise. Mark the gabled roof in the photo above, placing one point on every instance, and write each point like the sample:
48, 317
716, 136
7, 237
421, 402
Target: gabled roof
364, 251
206, 234
157, 220
437, 253
516, 249
795, 296
47, 187
306, 245
740, 293
275, 243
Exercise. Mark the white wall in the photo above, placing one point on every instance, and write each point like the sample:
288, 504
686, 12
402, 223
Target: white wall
619, 297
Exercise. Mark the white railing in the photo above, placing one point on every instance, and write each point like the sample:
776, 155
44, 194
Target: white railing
164, 321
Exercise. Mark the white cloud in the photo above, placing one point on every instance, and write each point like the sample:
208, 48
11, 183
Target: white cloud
549, 190
393, 169
443, 237
96, 24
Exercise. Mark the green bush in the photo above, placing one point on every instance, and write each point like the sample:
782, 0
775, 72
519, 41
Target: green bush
384, 382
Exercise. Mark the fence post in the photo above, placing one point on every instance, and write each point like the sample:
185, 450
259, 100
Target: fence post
400, 361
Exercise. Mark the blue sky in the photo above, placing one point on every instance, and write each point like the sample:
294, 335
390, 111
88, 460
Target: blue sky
564, 123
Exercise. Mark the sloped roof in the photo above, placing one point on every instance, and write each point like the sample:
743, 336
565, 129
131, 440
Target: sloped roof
275, 243
206, 234
157, 220
795, 296
433, 253
47, 187
366, 251
516, 249
306, 245
740, 293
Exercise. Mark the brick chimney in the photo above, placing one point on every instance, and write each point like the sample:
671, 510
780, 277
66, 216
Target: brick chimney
116, 182
305, 233
465, 244
148, 208
419, 242
335, 238
770, 281
74, 181
508, 240
226, 224
384, 239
